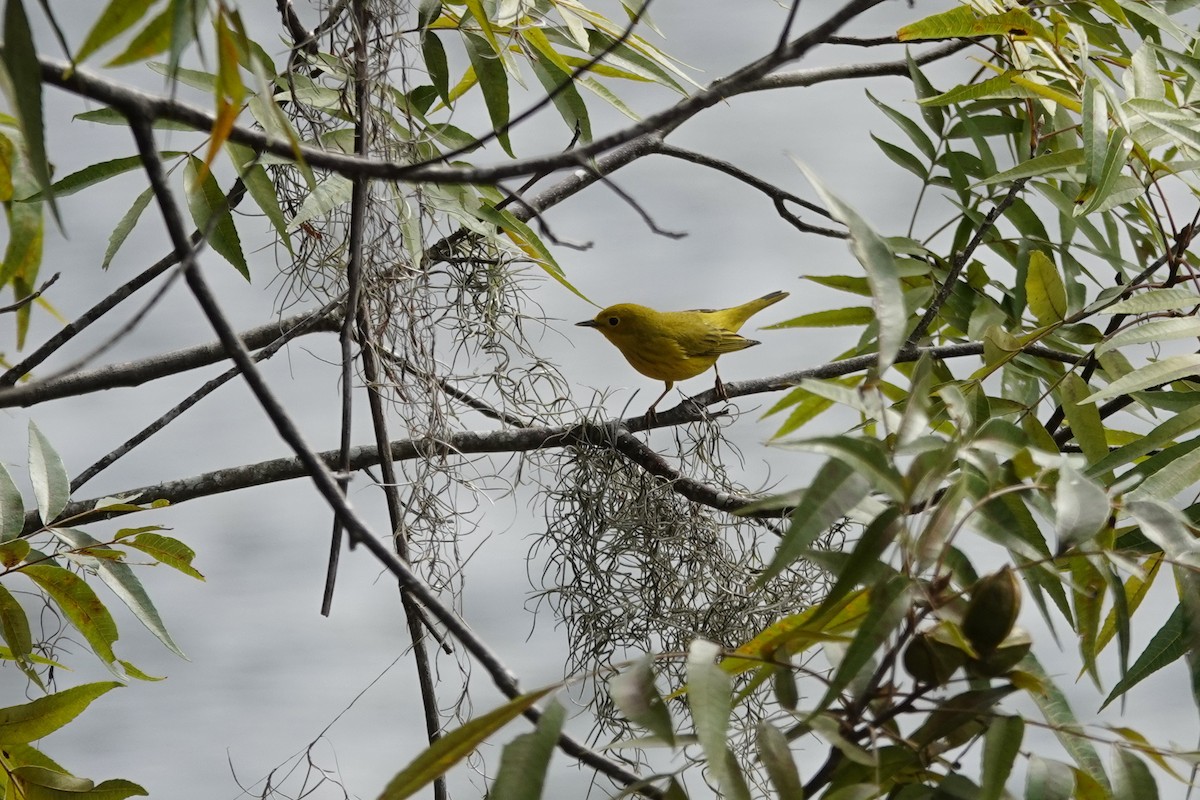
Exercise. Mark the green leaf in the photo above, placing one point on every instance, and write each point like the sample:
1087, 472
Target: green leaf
890, 601
902, 158
833, 318
524, 761
1186, 420
529, 242
864, 558
873, 253
455, 746
79, 604
493, 82
126, 225
1001, 87
14, 626
1154, 374
865, 455
96, 173
837, 488
911, 129
12, 509
1081, 507
211, 213
117, 17
19, 55
333, 192
633, 692
124, 584
1050, 164
166, 550
710, 690
1057, 711
1131, 777
1167, 646
434, 53
261, 188
32, 721
776, 756
51, 486
1173, 299
152, 39
1157, 330
1048, 780
1173, 475
964, 22
566, 99
1044, 290
1084, 418
952, 714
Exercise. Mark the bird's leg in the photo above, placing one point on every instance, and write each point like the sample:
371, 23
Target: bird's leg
651, 417
720, 385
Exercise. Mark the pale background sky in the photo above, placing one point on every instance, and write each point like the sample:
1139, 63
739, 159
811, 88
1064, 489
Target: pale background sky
267, 674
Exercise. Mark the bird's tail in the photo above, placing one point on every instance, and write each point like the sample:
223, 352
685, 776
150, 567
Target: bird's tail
736, 317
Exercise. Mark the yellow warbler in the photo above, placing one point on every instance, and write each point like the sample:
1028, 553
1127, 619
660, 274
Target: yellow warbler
676, 345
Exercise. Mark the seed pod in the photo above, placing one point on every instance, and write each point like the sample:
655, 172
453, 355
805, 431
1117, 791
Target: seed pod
1006, 656
992, 611
931, 661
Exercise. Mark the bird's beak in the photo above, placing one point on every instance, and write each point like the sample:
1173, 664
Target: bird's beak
587, 323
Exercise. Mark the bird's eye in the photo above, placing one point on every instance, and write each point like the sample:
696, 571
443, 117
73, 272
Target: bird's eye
613, 321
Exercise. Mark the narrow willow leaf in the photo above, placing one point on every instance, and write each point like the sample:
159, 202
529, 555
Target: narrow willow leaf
902, 158
14, 626
864, 558
875, 255
1112, 188
117, 17
529, 242
1154, 374
911, 129
211, 213
455, 746
1057, 711
1131, 776
51, 486
776, 756
79, 604
710, 692
166, 550
1170, 478
333, 192
634, 694
1000, 747
1044, 290
124, 584
524, 760
1050, 164
836, 489
434, 53
96, 173
1087, 427
1158, 330
34, 720
954, 713
154, 38
865, 455
12, 509
889, 602
1048, 780
1135, 588
1173, 299
126, 225
493, 82
1081, 507
963, 21
834, 318
20, 58
1167, 646
566, 98
797, 632
1186, 420
1001, 87
260, 186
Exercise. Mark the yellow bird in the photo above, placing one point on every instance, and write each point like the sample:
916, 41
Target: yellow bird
676, 345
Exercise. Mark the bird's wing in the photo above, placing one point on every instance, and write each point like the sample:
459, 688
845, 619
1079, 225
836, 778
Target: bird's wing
706, 340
